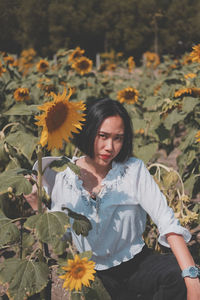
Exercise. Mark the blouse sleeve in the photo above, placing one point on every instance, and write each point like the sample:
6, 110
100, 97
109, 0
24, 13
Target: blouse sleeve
48, 178
155, 204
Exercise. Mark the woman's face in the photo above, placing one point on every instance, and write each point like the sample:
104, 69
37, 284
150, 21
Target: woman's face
109, 140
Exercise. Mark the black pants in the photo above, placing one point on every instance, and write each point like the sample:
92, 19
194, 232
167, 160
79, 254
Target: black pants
148, 276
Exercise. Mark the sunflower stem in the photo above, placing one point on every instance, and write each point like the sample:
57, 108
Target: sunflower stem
39, 156
41, 245
71, 249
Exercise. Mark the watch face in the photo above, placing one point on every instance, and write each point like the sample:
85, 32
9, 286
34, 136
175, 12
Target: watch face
193, 271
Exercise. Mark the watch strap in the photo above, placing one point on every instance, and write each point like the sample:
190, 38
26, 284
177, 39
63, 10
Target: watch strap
191, 271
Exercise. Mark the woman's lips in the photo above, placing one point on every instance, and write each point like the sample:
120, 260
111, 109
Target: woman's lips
105, 156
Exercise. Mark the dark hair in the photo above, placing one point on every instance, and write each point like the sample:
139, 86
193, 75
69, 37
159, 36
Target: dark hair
96, 113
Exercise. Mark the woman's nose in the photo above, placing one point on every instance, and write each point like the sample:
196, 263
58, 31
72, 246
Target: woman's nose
109, 145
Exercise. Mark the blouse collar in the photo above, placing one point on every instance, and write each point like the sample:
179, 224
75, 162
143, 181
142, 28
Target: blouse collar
112, 178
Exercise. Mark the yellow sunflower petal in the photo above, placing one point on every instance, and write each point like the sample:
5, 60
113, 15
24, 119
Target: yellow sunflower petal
79, 272
83, 65
59, 119
128, 95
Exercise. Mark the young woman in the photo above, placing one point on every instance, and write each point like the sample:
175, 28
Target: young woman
115, 191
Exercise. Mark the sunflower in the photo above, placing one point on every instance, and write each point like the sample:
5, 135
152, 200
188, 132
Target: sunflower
169, 106
82, 65
175, 64
128, 95
111, 67
139, 131
9, 60
76, 54
131, 64
187, 59
29, 54
109, 55
152, 59
198, 136
190, 75
157, 89
196, 91
47, 88
59, 119
42, 65
21, 94
79, 272
184, 92
2, 69
46, 85
195, 54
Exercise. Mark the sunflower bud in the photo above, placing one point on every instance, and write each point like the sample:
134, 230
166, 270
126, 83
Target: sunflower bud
170, 179
185, 198
10, 190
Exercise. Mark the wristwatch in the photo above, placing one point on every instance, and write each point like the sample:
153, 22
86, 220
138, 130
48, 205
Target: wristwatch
191, 272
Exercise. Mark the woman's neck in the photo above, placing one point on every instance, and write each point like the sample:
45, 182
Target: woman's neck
96, 169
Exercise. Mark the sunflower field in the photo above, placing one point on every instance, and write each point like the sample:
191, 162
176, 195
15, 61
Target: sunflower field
42, 102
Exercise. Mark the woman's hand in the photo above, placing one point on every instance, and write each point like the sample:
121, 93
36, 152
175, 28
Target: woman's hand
32, 198
193, 288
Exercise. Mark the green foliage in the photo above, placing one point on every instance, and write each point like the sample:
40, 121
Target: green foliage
62, 163
18, 183
81, 224
50, 228
9, 232
24, 277
96, 291
161, 121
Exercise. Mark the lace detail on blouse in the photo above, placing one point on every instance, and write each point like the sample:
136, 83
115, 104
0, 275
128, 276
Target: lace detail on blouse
111, 180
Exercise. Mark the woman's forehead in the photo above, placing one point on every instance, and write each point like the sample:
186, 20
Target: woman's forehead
112, 124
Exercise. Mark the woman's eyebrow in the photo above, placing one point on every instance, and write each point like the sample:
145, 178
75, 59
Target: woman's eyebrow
105, 132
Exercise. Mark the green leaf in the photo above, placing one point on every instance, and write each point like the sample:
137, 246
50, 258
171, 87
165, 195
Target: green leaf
61, 164
81, 224
18, 182
190, 156
173, 118
96, 291
50, 228
162, 133
9, 232
24, 277
138, 123
151, 102
189, 104
28, 241
17, 139
4, 158
76, 296
146, 152
22, 109
189, 184
31, 222
188, 139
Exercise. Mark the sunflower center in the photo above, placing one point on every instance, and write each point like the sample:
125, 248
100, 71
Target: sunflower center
56, 116
78, 271
84, 65
43, 65
129, 94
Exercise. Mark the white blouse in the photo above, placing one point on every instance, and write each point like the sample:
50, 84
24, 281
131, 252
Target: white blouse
118, 215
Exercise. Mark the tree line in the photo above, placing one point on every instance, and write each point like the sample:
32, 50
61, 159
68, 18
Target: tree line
131, 26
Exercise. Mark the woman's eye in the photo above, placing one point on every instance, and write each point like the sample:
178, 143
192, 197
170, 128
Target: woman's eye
103, 136
119, 138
